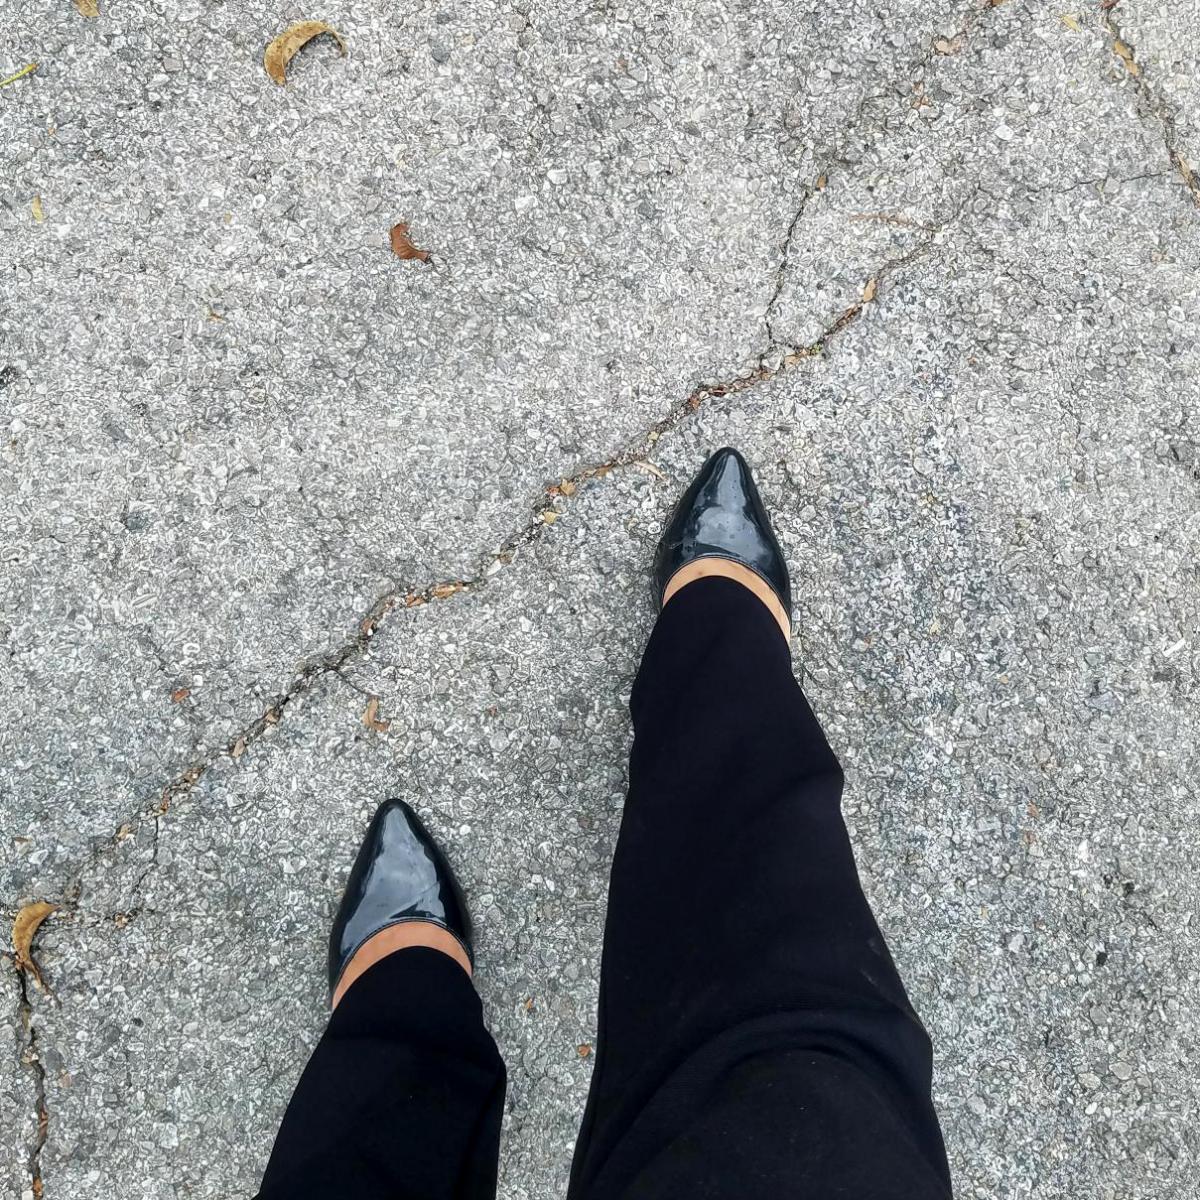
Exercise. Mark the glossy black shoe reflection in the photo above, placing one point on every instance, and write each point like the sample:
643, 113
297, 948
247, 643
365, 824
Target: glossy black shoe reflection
722, 516
399, 875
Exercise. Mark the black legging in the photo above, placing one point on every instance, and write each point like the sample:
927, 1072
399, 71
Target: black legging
755, 1039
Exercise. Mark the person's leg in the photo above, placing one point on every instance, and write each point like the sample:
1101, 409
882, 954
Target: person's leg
403, 1096
755, 1039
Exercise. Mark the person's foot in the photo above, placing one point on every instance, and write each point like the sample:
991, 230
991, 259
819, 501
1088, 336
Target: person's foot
401, 892
719, 527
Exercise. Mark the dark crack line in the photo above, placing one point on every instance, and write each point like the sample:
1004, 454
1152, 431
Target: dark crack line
1100, 183
1151, 101
31, 1060
836, 156
555, 499
785, 263
135, 908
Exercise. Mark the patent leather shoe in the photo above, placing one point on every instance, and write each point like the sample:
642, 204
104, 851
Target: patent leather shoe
400, 875
722, 516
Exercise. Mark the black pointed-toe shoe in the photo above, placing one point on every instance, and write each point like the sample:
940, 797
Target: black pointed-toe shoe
400, 875
722, 516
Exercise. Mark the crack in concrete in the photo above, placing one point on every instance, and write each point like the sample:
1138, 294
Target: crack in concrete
1100, 183
555, 498
835, 156
30, 1058
1151, 101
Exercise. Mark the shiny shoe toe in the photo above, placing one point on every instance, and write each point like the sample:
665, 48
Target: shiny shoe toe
722, 516
400, 874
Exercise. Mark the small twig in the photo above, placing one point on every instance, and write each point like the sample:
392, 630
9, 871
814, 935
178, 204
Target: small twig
27, 70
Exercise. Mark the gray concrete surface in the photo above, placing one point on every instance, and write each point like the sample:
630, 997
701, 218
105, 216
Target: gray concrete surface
241, 439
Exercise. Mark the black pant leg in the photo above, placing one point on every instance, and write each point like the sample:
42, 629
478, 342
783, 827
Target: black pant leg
403, 1096
755, 1039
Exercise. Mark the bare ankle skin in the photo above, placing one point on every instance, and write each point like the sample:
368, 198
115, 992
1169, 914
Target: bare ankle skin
707, 568
399, 937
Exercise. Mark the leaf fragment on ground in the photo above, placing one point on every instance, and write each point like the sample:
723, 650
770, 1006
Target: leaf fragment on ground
371, 717
583, 1050
284, 48
35, 207
869, 291
87, 8
402, 246
26, 70
179, 695
1070, 20
1125, 53
949, 45
25, 926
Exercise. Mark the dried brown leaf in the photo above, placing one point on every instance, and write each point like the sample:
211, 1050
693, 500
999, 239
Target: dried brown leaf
87, 8
1125, 53
949, 45
402, 246
371, 717
179, 695
549, 516
567, 488
35, 207
238, 748
583, 1050
25, 926
1070, 20
870, 290
284, 48
445, 589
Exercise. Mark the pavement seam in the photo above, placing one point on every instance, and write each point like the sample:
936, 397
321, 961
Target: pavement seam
1151, 101
835, 156
555, 498
29, 1056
